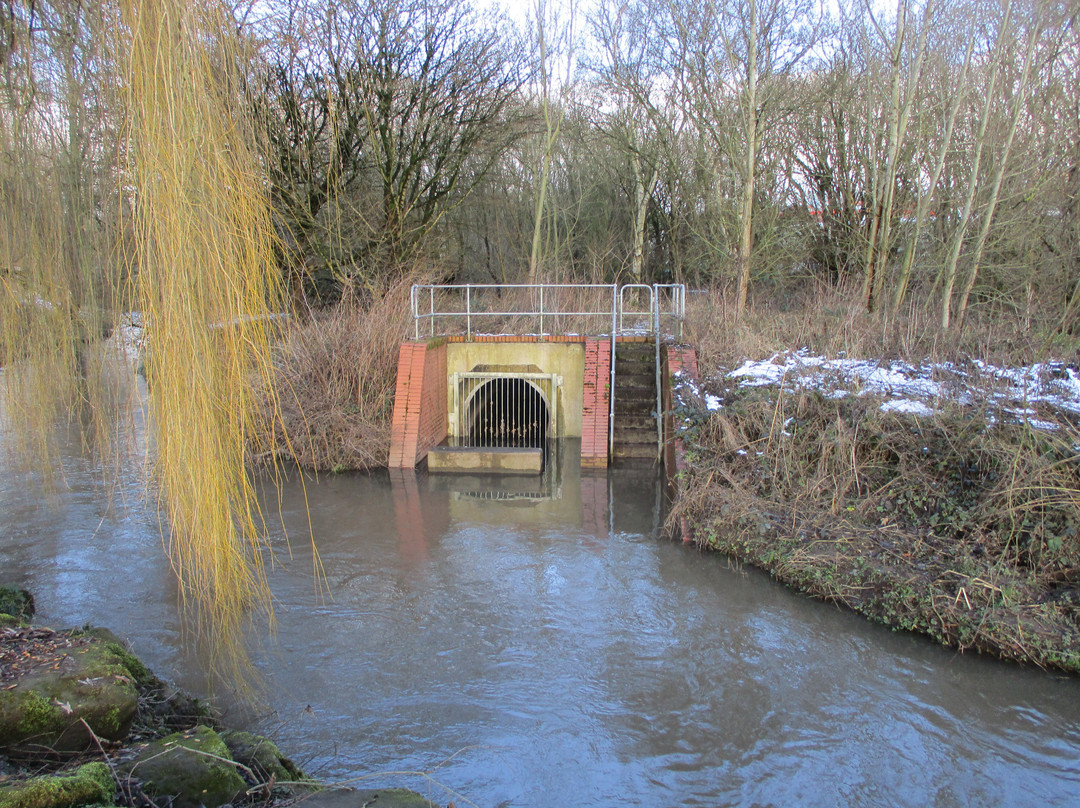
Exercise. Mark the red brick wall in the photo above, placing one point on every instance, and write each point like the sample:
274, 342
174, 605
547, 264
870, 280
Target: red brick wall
513, 338
677, 358
596, 402
419, 403
433, 407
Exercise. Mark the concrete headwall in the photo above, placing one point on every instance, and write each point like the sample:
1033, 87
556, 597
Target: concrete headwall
424, 394
567, 359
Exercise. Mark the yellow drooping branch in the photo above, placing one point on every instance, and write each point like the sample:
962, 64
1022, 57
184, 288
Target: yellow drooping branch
206, 282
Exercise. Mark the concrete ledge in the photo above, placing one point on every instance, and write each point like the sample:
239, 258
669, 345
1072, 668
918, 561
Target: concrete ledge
473, 459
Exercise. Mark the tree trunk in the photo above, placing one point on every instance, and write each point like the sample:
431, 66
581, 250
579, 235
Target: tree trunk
746, 207
643, 190
1020, 94
957, 242
922, 207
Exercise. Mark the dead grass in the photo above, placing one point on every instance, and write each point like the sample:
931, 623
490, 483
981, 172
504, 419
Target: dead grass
335, 376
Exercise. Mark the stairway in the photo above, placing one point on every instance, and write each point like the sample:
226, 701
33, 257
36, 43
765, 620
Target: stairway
635, 401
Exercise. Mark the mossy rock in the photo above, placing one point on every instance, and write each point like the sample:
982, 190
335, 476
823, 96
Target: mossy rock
91, 784
89, 680
139, 672
17, 604
192, 768
262, 756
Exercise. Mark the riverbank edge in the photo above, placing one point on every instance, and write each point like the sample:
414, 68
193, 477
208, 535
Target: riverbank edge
166, 720
891, 597
800, 555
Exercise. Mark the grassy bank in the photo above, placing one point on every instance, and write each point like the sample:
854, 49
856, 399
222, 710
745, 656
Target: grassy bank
957, 523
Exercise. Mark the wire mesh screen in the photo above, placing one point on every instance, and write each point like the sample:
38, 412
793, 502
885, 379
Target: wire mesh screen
506, 410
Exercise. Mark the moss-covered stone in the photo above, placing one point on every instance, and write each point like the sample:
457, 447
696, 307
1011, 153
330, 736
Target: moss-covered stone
261, 755
192, 768
16, 603
91, 784
47, 705
138, 671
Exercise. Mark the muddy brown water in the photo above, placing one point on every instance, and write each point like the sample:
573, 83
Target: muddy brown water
539, 643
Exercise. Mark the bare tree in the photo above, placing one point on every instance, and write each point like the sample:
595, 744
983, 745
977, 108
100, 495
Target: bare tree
385, 115
738, 54
951, 88
1024, 52
905, 72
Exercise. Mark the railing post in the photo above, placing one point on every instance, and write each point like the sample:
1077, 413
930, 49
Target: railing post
541, 310
611, 380
468, 310
682, 309
415, 312
659, 396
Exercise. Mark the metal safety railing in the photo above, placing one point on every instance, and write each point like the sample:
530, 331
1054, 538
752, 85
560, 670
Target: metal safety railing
548, 309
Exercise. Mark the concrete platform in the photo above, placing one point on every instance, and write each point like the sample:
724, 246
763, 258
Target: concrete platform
486, 460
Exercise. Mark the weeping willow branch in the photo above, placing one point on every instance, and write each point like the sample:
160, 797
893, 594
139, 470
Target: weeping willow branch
206, 281
56, 276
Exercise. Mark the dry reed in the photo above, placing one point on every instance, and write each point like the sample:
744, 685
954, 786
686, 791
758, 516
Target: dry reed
336, 374
830, 320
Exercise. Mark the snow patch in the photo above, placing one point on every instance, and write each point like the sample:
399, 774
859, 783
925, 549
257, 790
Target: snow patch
920, 389
908, 407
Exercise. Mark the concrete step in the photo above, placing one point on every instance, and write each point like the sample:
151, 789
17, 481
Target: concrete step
634, 362
634, 394
634, 349
637, 415
635, 380
637, 355
635, 436
635, 450
635, 421
634, 383
639, 426
472, 460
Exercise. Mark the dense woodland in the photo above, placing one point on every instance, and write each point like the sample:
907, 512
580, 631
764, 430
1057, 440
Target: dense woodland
924, 154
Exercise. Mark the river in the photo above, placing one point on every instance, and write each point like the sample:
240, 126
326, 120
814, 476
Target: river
539, 643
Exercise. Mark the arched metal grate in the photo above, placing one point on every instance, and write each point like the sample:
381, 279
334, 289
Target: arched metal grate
505, 410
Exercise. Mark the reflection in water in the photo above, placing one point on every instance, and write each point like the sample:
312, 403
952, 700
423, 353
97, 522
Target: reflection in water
545, 646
